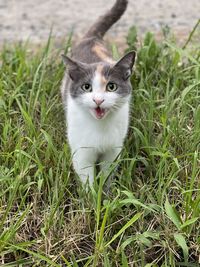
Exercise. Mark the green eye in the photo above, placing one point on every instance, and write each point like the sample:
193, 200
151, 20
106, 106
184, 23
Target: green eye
111, 87
87, 87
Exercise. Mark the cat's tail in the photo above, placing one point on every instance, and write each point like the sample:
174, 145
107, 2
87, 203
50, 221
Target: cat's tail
106, 21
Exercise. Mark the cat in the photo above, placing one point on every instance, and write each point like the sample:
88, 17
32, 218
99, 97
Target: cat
96, 92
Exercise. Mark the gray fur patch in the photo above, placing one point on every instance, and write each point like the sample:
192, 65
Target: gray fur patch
91, 52
110, 74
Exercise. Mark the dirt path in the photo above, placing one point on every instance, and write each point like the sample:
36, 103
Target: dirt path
23, 19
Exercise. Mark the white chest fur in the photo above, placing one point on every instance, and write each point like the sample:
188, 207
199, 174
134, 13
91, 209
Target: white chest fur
89, 138
85, 131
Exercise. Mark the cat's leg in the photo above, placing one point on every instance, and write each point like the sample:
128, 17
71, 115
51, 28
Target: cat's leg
106, 162
84, 162
108, 158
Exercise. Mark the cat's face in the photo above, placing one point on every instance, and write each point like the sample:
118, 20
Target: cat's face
101, 88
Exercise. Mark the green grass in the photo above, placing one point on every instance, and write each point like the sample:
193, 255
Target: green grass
150, 215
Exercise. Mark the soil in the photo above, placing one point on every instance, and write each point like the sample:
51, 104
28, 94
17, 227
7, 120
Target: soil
33, 19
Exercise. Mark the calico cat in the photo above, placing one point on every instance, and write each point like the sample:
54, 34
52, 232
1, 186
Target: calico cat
96, 91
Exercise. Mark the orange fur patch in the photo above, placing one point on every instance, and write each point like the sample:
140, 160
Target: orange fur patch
103, 79
100, 51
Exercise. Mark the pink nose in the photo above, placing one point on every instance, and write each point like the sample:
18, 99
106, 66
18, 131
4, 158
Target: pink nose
98, 101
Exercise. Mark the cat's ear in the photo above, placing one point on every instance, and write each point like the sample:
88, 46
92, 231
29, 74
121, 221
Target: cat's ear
125, 65
76, 69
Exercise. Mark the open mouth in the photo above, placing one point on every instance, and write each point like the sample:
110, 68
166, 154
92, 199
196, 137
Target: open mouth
99, 112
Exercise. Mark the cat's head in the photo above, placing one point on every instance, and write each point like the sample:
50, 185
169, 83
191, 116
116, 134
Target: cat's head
100, 88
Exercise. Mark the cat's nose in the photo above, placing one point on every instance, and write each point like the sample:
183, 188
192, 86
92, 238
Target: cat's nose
98, 101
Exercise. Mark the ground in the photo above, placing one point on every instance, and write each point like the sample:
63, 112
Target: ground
25, 19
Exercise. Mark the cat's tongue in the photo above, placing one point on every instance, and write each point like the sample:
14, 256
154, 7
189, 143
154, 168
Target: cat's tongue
99, 112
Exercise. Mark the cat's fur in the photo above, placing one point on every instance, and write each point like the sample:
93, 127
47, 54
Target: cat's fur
97, 119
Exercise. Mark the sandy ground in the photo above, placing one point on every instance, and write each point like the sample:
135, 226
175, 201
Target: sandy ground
23, 19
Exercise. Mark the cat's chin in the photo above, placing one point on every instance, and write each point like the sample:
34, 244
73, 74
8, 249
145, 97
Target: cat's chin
99, 113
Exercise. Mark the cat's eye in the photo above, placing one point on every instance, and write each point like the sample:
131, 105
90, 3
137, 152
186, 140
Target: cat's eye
111, 87
87, 87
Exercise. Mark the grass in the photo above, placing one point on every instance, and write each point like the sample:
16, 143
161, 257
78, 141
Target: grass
150, 216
